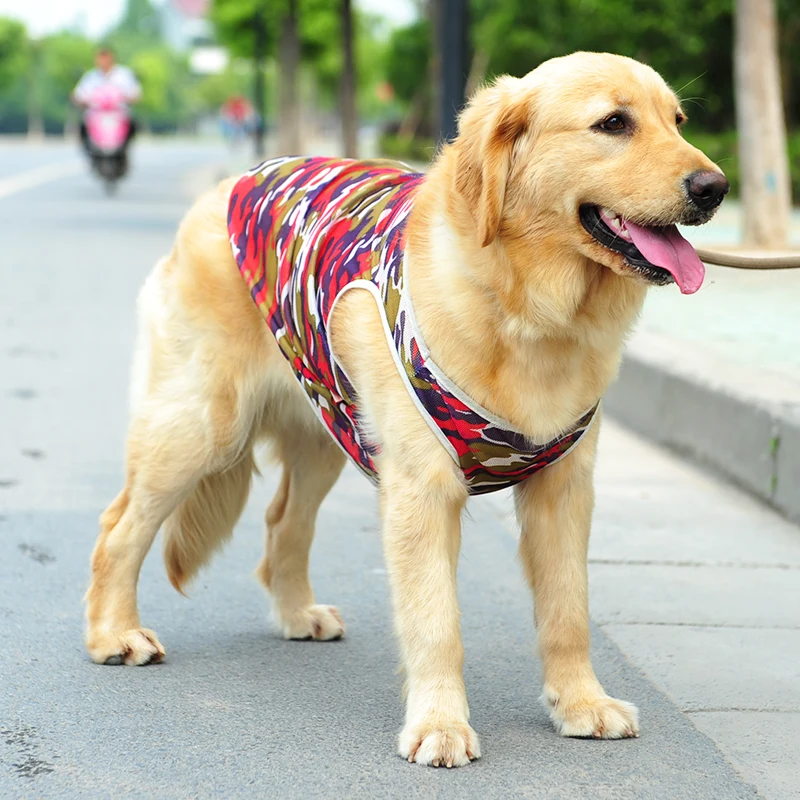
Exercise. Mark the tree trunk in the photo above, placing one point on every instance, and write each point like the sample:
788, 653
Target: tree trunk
35, 120
764, 164
348, 102
412, 120
288, 99
259, 89
477, 72
34, 104
434, 9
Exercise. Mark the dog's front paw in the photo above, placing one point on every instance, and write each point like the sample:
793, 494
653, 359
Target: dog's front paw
322, 623
439, 744
134, 648
593, 716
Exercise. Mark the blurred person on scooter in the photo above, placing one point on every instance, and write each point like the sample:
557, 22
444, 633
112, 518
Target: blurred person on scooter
107, 73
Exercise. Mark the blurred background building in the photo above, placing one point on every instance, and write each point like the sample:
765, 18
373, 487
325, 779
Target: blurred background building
185, 23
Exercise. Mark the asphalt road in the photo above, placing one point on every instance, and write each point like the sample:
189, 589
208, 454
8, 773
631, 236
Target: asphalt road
236, 711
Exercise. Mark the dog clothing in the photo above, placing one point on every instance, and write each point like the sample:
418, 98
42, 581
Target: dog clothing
304, 231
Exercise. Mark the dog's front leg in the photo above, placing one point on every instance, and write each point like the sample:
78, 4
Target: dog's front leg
555, 511
422, 537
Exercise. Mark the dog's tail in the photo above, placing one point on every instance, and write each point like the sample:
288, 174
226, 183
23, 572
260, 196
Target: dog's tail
204, 521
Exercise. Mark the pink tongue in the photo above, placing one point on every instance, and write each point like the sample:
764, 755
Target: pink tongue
666, 248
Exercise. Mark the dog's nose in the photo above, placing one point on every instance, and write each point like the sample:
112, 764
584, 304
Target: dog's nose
706, 189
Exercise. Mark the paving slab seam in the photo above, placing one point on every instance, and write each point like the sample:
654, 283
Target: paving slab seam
656, 623
671, 563
737, 710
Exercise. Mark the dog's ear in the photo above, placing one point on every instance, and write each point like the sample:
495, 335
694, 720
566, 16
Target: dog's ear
488, 128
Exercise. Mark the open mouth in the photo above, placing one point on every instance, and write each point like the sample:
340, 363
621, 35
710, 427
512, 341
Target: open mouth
658, 253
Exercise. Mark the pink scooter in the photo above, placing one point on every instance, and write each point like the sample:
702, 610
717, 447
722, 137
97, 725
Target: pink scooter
108, 124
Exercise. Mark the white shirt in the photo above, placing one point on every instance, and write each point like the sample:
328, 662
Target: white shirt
119, 76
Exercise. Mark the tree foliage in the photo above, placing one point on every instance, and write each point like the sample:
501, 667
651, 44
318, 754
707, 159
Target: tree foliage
318, 29
62, 59
139, 29
14, 51
235, 79
167, 86
408, 59
690, 43
319, 24
41, 74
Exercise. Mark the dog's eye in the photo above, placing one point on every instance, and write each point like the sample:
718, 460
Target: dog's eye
679, 119
613, 124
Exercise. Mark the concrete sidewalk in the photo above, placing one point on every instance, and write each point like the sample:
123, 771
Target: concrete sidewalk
717, 375
698, 585
702, 593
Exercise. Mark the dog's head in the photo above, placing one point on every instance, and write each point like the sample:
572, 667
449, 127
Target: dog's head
587, 151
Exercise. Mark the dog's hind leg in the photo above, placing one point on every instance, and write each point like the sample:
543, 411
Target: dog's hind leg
172, 474
311, 465
127, 529
195, 409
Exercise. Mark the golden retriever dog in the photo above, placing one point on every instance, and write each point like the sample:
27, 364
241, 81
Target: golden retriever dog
529, 247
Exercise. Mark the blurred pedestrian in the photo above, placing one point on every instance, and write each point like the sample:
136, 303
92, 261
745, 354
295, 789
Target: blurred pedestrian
237, 120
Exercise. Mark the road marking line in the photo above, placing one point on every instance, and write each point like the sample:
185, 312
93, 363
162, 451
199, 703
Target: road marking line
38, 177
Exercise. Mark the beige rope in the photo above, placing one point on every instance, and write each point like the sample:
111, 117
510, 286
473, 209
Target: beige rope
748, 262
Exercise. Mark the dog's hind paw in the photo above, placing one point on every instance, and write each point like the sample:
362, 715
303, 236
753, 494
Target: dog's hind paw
133, 648
321, 623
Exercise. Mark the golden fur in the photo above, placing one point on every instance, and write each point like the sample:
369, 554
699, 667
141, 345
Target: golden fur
521, 308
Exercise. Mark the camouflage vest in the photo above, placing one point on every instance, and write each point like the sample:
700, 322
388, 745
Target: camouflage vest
306, 230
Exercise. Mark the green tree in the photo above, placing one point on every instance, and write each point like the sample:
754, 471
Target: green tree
233, 21
213, 90
408, 59
318, 30
408, 71
688, 42
61, 59
169, 91
321, 45
139, 29
64, 57
324, 29
164, 78
789, 47
372, 45
14, 52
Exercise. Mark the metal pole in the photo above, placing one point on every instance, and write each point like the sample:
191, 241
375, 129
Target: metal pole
453, 38
259, 54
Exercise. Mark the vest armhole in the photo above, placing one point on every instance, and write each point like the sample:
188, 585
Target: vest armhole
373, 290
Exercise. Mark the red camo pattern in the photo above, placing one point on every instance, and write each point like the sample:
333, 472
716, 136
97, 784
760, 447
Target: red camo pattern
303, 229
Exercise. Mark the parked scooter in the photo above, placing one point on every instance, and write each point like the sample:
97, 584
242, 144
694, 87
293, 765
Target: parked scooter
108, 124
